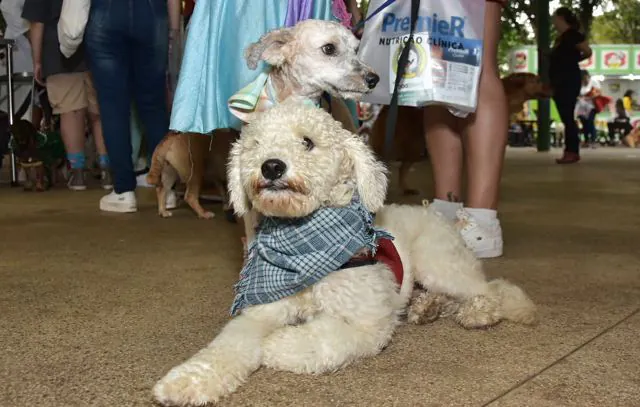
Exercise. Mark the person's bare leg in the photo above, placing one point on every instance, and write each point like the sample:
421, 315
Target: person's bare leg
72, 131
72, 128
486, 137
103, 158
484, 141
445, 154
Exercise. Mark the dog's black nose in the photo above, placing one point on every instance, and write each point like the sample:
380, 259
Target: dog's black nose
372, 79
273, 169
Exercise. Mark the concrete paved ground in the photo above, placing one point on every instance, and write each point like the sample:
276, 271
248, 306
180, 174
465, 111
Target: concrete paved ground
95, 307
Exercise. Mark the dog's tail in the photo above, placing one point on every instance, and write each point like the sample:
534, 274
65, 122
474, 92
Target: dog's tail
515, 305
158, 159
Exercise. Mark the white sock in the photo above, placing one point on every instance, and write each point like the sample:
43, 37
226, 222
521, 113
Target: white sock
446, 208
483, 216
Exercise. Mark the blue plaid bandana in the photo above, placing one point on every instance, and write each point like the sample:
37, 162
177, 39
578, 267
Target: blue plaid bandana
289, 255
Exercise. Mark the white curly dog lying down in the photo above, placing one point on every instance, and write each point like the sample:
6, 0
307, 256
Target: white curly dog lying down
291, 163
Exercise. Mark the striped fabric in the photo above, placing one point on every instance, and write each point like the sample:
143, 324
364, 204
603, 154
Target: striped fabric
289, 255
256, 97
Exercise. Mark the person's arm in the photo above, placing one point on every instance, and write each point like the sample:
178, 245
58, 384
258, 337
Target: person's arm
356, 13
584, 49
36, 34
36, 12
175, 9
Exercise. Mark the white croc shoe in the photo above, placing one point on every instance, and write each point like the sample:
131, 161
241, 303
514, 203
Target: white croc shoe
122, 203
484, 240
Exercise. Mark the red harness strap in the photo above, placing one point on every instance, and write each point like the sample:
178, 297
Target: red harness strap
386, 253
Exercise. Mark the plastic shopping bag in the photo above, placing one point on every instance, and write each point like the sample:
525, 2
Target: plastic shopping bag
73, 20
445, 57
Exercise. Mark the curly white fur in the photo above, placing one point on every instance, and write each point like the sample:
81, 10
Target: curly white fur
352, 313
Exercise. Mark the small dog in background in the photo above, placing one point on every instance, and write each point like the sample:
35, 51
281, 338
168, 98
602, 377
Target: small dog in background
307, 60
312, 180
185, 157
409, 145
40, 155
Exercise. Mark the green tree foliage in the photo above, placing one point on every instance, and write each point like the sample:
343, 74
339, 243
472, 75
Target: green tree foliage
619, 26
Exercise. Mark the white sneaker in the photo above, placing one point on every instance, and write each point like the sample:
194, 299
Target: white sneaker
172, 200
141, 181
446, 209
484, 240
122, 203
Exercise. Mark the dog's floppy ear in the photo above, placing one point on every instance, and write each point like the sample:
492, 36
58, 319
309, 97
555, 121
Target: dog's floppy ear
268, 48
237, 195
370, 174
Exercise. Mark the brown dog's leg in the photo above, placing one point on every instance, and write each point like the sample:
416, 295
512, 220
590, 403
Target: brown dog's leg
193, 174
167, 179
403, 174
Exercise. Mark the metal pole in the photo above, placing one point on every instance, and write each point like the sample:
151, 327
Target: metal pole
10, 107
544, 110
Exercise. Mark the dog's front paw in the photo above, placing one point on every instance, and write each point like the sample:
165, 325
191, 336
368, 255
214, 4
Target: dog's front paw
190, 385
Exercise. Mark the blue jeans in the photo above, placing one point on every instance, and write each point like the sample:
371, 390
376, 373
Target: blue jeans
127, 49
589, 127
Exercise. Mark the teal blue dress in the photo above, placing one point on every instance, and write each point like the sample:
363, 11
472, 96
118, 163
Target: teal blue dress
213, 66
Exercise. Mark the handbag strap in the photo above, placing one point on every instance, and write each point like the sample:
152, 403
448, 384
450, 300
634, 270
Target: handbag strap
392, 116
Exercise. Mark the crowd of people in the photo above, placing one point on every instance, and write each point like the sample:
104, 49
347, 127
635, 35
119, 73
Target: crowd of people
123, 64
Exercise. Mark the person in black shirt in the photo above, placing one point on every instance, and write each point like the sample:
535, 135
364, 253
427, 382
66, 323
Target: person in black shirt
570, 48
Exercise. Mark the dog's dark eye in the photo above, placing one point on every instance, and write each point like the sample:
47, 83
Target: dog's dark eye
329, 49
308, 143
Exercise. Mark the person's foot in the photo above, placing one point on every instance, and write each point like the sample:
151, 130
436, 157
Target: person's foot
105, 179
485, 240
121, 203
76, 180
172, 200
568, 158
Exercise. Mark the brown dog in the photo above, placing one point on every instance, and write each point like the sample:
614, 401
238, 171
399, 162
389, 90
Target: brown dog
409, 144
188, 156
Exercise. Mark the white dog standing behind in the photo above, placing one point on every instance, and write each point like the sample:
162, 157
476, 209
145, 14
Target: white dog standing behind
350, 313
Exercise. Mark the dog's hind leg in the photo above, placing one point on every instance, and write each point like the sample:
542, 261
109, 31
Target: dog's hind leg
193, 178
219, 369
503, 301
167, 180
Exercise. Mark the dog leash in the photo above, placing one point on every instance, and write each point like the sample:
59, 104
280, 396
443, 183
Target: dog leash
392, 116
